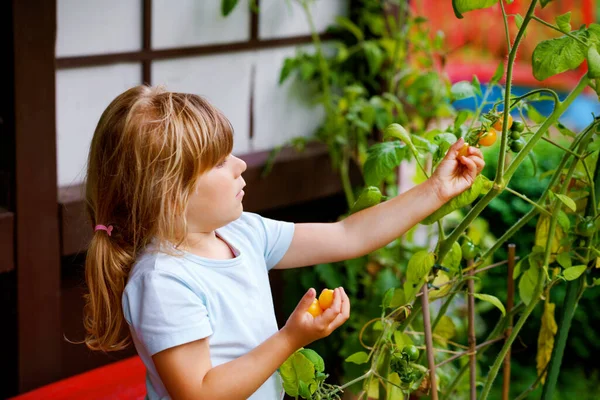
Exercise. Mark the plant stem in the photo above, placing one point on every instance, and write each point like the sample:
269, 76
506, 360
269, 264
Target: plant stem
574, 289
556, 28
469, 352
322, 63
509, 73
429, 341
472, 339
345, 176
509, 305
536, 292
527, 199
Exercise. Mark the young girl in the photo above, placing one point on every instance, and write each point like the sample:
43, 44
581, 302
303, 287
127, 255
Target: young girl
177, 267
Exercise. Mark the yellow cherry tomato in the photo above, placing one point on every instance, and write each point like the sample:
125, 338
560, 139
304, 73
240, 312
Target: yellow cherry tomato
464, 150
326, 298
315, 309
488, 138
498, 124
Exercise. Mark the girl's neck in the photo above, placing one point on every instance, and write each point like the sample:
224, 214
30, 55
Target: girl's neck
208, 245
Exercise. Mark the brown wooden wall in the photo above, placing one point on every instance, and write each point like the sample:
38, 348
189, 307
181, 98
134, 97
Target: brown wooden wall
43, 230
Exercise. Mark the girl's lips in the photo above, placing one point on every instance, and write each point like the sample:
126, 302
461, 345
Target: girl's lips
240, 194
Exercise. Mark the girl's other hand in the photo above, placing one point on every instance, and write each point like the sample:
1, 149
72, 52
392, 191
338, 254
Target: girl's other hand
302, 328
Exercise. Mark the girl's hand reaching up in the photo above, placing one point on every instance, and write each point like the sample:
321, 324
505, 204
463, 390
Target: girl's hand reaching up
302, 328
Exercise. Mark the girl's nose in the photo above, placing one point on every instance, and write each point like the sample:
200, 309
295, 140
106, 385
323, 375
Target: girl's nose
242, 165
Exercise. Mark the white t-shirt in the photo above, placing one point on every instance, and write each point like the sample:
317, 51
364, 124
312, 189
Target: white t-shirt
169, 300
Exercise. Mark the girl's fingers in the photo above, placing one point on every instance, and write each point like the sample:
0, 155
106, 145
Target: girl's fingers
343, 315
474, 151
470, 164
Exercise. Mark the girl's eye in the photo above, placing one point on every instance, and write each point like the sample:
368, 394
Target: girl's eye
221, 164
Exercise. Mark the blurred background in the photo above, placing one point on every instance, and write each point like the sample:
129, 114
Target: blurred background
65, 60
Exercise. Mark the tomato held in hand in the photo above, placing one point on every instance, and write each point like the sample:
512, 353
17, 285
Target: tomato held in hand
498, 124
326, 298
464, 150
315, 309
488, 138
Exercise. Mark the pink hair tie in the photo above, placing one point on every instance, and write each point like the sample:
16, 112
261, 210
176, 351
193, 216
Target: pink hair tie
108, 229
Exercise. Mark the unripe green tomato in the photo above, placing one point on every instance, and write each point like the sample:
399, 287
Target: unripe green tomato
515, 135
411, 352
518, 126
469, 251
587, 227
517, 145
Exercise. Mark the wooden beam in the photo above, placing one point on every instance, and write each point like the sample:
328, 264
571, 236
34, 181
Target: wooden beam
296, 177
7, 250
180, 52
37, 234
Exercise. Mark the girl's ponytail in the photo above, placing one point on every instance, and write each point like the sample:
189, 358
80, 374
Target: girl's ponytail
107, 266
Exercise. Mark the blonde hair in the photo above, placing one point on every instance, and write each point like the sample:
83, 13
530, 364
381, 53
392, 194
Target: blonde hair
148, 150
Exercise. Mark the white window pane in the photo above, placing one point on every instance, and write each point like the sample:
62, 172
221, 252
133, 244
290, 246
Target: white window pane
224, 80
281, 112
97, 27
82, 95
184, 23
280, 18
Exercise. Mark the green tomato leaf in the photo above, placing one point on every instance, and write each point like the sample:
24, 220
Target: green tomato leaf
382, 158
567, 201
518, 20
462, 6
350, 26
574, 272
369, 197
418, 268
544, 3
452, 259
554, 56
564, 259
288, 66
476, 85
498, 74
527, 284
593, 59
445, 330
564, 22
315, 358
462, 90
461, 117
296, 369
491, 299
534, 115
227, 6
358, 358
374, 56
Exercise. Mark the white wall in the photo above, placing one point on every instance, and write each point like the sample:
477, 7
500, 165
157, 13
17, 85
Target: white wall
87, 27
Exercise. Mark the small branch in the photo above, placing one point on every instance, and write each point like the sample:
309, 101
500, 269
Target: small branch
533, 385
561, 147
464, 353
527, 199
429, 341
472, 338
506, 32
556, 28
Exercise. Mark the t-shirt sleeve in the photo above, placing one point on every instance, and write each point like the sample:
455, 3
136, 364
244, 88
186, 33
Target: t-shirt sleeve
275, 237
164, 311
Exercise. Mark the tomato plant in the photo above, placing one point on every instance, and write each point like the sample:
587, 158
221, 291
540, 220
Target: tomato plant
377, 123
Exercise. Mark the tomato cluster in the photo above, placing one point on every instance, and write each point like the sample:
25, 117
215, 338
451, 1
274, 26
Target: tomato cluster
322, 303
402, 364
